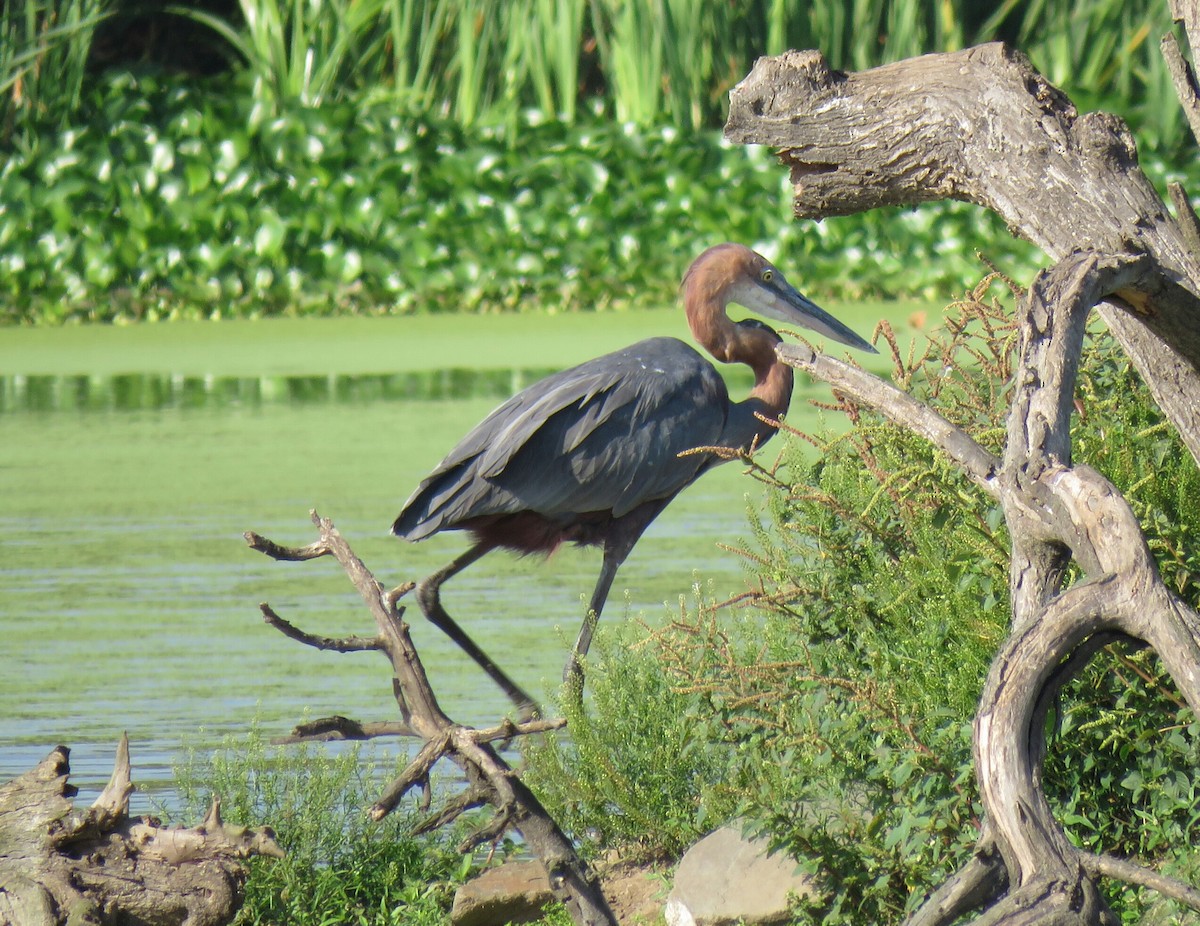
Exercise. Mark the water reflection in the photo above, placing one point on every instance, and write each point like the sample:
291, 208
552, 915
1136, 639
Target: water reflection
151, 391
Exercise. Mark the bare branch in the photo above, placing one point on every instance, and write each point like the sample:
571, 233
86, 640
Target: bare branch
868, 389
112, 805
329, 729
508, 729
416, 773
280, 552
452, 809
337, 644
490, 778
1185, 215
1184, 79
489, 832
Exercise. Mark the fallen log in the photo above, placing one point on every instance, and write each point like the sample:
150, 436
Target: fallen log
59, 866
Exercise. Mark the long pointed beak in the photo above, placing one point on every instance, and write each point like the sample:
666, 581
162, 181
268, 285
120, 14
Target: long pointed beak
781, 301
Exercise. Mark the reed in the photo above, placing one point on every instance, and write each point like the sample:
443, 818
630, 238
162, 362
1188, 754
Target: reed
646, 62
670, 60
306, 50
44, 48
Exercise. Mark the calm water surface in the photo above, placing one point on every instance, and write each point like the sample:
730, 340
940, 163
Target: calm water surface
129, 601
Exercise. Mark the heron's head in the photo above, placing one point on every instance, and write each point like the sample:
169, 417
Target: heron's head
734, 273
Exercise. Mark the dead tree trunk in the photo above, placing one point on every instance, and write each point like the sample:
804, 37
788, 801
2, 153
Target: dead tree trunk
60, 867
981, 125
490, 780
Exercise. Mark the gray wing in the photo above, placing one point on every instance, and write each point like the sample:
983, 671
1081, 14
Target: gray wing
605, 435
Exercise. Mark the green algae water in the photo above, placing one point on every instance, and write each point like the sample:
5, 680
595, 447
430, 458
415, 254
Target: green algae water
132, 460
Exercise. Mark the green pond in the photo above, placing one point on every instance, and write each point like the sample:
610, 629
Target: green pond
133, 459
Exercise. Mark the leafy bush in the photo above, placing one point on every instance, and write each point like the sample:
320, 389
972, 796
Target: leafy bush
174, 200
340, 867
838, 717
640, 766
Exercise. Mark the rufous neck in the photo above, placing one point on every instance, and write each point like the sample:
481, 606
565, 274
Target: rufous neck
705, 302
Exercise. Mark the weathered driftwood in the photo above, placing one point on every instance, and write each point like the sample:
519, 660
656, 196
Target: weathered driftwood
983, 126
490, 780
59, 867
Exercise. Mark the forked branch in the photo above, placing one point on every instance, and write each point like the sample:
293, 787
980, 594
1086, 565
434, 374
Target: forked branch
490, 780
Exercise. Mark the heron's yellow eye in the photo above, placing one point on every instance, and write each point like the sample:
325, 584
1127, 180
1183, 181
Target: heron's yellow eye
767, 275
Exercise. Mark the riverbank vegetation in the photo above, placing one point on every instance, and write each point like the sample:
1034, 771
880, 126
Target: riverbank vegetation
478, 155
264, 157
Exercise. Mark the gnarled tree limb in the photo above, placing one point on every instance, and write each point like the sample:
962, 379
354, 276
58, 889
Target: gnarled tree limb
1056, 511
981, 125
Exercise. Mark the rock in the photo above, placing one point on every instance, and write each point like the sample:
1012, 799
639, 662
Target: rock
726, 878
516, 892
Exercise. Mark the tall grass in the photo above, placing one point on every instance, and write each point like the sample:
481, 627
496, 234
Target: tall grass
654, 61
642, 61
306, 50
414, 30
44, 47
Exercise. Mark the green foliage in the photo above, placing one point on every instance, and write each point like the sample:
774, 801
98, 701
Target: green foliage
638, 767
381, 155
305, 50
191, 201
340, 867
665, 60
838, 720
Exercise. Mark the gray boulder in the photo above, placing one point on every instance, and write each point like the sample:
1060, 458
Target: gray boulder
725, 879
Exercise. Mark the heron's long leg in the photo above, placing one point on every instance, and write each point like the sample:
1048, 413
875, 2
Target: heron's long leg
617, 546
429, 598
573, 671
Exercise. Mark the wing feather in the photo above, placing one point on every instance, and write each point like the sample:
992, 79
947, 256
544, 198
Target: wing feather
605, 435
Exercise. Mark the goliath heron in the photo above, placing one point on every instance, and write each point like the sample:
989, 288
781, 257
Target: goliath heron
591, 455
